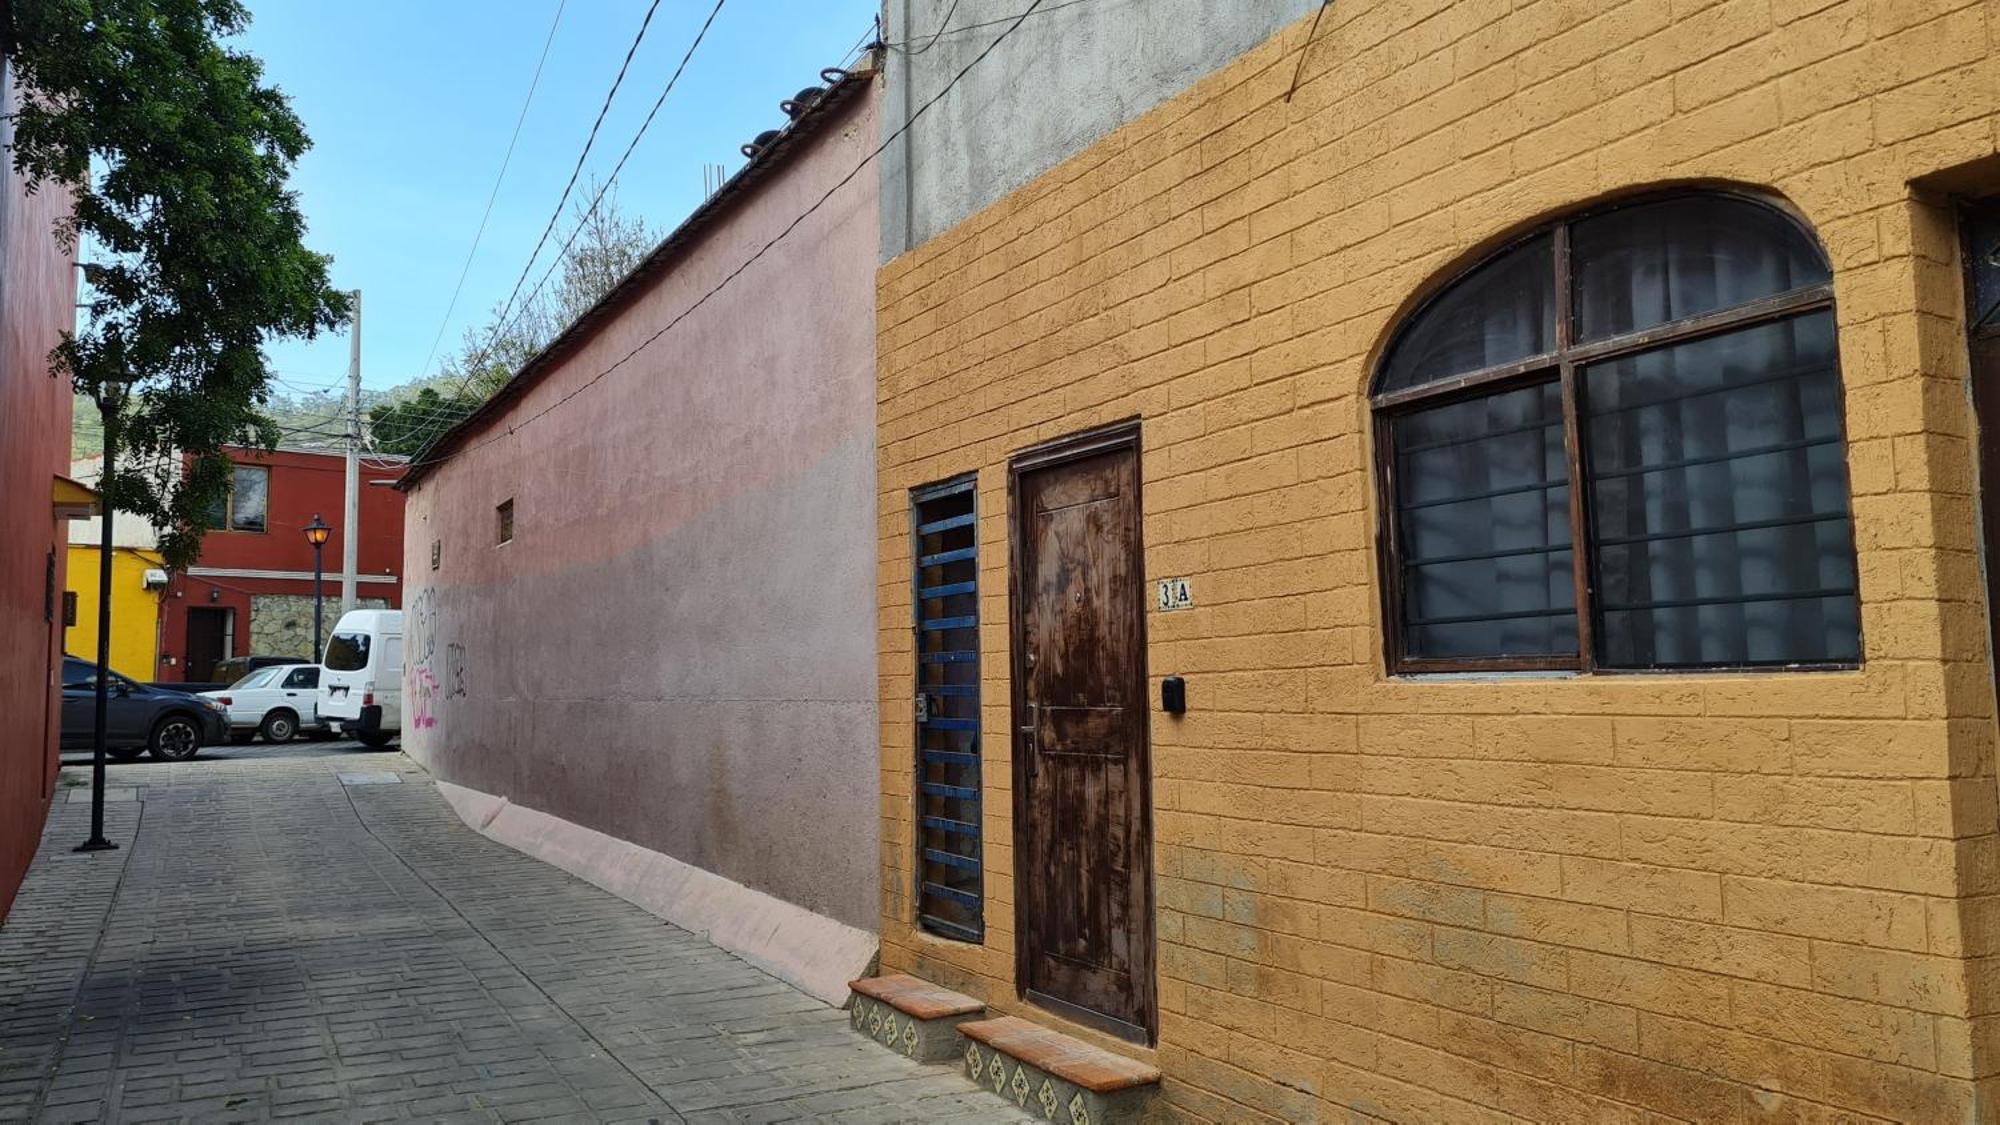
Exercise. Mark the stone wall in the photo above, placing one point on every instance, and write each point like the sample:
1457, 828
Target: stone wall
282, 624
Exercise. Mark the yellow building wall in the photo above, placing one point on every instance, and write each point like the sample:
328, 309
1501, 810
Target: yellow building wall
1716, 897
135, 610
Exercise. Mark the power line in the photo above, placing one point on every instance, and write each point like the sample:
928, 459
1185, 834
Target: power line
581, 157
903, 44
872, 35
605, 188
508, 158
423, 460
942, 25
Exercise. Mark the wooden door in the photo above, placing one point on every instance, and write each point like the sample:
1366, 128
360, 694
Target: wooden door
1082, 792
206, 629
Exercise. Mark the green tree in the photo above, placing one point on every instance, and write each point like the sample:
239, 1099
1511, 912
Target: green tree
176, 155
405, 427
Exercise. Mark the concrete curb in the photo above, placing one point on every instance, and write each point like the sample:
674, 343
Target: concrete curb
808, 951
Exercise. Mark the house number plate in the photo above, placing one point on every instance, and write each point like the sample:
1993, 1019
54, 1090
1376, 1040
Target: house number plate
1175, 593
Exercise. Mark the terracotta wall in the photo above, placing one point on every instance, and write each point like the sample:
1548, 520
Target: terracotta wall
36, 293
1712, 896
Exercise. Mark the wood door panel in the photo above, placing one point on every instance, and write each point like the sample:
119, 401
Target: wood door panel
1082, 775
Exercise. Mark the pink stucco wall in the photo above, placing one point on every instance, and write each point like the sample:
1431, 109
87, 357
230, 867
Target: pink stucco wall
678, 646
37, 292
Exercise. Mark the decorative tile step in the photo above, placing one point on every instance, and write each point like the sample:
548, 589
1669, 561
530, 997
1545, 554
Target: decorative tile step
911, 1016
1055, 1077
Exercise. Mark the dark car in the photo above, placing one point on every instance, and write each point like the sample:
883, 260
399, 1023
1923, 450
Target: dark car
174, 725
231, 669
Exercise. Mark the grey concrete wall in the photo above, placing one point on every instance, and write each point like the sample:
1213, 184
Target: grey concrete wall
678, 646
1071, 73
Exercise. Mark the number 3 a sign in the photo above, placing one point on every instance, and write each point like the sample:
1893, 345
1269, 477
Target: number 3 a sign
1175, 593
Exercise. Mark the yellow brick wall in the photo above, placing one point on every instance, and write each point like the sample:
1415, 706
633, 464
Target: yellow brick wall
1715, 897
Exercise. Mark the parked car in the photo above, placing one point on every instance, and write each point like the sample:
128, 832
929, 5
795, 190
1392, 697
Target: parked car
231, 669
174, 725
277, 702
361, 685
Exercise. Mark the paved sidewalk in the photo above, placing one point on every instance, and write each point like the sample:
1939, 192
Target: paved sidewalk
271, 942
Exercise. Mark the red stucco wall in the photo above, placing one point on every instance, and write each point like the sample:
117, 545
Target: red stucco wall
37, 295
302, 485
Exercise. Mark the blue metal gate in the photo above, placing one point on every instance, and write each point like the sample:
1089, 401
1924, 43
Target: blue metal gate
950, 885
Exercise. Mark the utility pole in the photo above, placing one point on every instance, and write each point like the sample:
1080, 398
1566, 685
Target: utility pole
350, 525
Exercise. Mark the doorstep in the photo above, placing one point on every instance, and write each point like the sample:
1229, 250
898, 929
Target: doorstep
910, 1016
1053, 1076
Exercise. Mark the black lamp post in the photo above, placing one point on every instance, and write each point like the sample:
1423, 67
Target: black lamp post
107, 407
316, 534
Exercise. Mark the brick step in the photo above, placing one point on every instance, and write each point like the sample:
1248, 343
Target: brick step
911, 1016
1053, 1076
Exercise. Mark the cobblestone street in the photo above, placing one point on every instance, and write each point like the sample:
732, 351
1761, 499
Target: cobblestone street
272, 941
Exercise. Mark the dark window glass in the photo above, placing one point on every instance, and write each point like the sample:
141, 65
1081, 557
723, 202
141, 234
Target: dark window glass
1712, 458
347, 652
504, 521
1982, 242
1651, 263
1718, 501
303, 678
1483, 517
1502, 311
249, 498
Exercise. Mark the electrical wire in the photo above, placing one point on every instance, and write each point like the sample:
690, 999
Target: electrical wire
903, 44
1312, 33
576, 171
425, 459
605, 187
491, 196
942, 25
872, 35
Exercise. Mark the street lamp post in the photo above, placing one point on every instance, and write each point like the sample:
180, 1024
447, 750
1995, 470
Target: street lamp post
316, 534
107, 407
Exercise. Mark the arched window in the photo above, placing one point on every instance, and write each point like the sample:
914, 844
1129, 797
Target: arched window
1617, 444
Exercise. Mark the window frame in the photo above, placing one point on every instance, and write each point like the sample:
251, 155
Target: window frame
925, 893
1563, 367
503, 522
228, 523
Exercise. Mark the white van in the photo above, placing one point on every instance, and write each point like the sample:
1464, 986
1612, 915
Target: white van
361, 689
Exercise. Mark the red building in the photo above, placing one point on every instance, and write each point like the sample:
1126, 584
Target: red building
251, 591
37, 298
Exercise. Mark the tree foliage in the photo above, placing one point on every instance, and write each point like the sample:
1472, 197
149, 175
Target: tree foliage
176, 155
407, 426
604, 246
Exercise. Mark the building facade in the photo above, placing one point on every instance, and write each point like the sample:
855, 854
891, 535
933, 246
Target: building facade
251, 591
138, 582
37, 292
640, 635
1466, 593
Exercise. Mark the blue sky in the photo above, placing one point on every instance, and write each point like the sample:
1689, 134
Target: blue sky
410, 104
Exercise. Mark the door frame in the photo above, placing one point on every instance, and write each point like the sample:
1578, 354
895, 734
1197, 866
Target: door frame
225, 638
1110, 438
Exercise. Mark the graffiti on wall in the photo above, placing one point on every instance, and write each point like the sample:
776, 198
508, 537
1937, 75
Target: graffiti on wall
426, 688
423, 698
